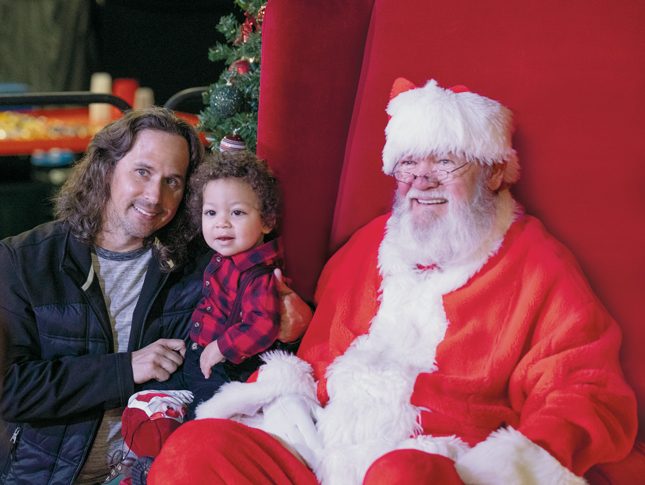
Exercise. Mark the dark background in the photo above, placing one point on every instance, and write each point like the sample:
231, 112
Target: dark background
55, 45
161, 43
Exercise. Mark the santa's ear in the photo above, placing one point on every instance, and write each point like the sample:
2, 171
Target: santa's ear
496, 176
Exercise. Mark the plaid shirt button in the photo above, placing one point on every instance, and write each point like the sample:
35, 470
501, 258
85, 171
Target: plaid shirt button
208, 283
218, 259
194, 346
197, 324
209, 309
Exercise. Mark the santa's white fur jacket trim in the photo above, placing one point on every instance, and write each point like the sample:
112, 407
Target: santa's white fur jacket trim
435, 121
507, 457
282, 374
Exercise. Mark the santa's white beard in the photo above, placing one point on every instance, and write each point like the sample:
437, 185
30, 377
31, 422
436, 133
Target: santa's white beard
441, 240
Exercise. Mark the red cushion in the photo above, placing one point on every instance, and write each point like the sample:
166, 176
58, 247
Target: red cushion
622, 472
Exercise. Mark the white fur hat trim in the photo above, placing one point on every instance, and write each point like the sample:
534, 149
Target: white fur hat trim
435, 121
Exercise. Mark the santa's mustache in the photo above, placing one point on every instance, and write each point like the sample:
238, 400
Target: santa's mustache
421, 194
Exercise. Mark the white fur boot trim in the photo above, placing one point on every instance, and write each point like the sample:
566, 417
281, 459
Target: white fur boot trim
282, 374
507, 457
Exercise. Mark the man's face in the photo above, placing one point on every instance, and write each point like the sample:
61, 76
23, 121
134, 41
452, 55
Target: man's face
146, 189
429, 201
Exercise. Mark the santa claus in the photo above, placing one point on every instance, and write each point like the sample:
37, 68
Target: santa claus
454, 340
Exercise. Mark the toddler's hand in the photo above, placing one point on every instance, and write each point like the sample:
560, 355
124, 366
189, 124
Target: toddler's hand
209, 358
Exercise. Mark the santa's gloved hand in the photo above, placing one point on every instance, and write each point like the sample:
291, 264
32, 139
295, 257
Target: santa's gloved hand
292, 419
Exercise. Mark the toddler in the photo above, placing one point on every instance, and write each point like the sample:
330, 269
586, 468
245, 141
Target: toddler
236, 197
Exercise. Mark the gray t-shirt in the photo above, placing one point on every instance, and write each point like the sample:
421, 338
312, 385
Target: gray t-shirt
121, 277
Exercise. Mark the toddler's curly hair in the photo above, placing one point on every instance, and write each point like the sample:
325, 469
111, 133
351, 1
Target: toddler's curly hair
247, 167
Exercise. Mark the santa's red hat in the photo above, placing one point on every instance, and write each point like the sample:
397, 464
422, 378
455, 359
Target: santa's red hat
434, 121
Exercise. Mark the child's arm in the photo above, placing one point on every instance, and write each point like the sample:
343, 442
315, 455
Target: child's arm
260, 321
209, 358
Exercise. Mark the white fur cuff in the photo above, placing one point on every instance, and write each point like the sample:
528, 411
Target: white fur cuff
281, 374
507, 457
448, 446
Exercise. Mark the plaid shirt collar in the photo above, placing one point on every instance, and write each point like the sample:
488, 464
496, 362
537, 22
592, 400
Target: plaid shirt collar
268, 252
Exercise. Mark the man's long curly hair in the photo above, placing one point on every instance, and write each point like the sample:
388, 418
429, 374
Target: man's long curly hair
248, 168
82, 200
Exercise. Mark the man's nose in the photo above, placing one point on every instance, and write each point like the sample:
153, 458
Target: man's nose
154, 192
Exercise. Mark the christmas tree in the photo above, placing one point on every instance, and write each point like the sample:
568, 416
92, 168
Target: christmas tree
232, 102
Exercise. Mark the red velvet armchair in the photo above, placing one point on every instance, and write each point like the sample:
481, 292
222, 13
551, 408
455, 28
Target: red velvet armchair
572, 72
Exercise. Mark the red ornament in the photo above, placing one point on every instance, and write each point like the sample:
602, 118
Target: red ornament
242, 66
247, 28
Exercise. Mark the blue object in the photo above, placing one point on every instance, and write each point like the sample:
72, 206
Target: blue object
14, 88
55, 157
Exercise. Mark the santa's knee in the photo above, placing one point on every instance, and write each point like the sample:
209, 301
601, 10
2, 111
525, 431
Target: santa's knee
412, 466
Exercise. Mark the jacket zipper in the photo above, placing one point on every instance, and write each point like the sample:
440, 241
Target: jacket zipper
14, 440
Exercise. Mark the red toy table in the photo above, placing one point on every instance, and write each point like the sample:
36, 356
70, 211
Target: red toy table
76, 119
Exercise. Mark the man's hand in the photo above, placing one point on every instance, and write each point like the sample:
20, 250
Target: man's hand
158, 360
296, 314
210, 356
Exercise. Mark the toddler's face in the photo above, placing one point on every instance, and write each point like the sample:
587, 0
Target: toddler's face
231, 221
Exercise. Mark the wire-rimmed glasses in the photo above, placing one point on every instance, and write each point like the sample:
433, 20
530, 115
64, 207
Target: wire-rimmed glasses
429, 178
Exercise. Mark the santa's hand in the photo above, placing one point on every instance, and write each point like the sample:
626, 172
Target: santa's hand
292, 419
296, 314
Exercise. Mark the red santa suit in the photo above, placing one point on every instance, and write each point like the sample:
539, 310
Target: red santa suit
505, 362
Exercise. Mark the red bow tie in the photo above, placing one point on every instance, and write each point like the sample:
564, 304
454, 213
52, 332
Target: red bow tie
427, 268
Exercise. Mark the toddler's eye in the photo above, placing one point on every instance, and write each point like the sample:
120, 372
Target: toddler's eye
237, 212
209, 212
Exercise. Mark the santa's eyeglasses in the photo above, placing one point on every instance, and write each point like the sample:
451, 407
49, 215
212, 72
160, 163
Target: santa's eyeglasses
430, 178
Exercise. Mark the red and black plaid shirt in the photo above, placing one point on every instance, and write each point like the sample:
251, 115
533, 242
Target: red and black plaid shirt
259, 322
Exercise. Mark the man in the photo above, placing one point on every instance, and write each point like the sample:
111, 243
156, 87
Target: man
98, 303
455, 340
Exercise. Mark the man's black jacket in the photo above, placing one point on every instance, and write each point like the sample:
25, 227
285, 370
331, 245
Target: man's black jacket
61, 372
